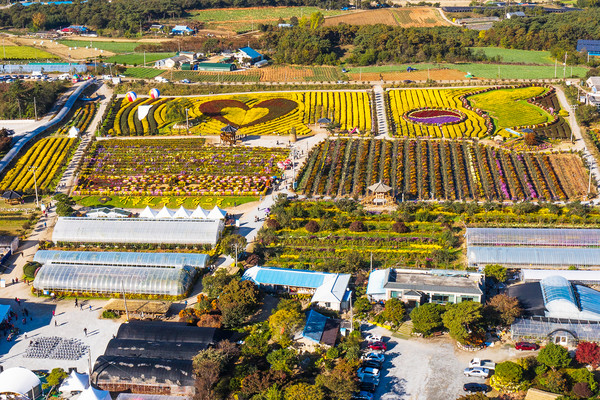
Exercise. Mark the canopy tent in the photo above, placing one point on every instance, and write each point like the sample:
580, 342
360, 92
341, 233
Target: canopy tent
182, 213
4, 310
217, 213
74, 132
11, 195
20, 381
148, 213
75, 383
324, 121
165, 213
200, 213
94, 394
379, 187
229, 129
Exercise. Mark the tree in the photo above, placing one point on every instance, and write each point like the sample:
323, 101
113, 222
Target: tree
304, 391
312, 226
38, 20
393, 312
362, 305
508, 373
554, 381
213, 284
284, 324
282, 359
238, 300
207, 367
272, 224
257, 343
530, 139
234, 245
506, 307
588, 353
341, 382
357, 226
56, 376
463, 321
427, 318
495, 271
400, 227
316, 19
554, 356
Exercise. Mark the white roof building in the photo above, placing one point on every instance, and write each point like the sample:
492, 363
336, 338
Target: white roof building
20, 381
94, 394
75, 383
183, 213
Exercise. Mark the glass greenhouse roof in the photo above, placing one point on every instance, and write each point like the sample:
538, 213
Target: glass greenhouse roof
541, 327
533, 237
114, 279
589, 299
533, 256
121, 258
557, 288
137, 230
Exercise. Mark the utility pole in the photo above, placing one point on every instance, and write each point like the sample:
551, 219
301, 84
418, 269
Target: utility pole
124, 299
34, 169
555, 66
187, 121
565, 66
351, 313
144, 58
35, 107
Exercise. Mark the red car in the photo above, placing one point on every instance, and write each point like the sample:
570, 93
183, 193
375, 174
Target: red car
526, 346
377, 346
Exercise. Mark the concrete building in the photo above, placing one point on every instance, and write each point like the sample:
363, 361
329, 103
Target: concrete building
425, 286
247, 55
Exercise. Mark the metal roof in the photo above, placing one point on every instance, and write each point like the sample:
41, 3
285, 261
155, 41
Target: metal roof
153, 349
143, 371
588, 45
556, 288
121, 258
137, 230
158, 331
533, 256
377, 279
589, 299
533, 237
250, 52
285, 277
429, 282
315, 324
577, 276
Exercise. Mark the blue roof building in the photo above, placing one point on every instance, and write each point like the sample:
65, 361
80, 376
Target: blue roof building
321, 329
182, 30
328, 290
591, 46
249, 53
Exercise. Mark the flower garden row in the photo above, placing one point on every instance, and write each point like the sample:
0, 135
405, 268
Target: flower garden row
440, 169
81, 120
183, 167
46, 156
471, 121
252, 113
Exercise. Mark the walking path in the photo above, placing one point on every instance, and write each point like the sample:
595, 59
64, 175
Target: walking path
382, 123
67, 181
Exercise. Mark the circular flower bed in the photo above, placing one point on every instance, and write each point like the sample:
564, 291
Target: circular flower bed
435, 116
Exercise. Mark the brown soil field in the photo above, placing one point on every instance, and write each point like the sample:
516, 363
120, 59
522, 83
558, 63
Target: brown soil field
405, 17
61, 50
421, 75
572, 174
285, 74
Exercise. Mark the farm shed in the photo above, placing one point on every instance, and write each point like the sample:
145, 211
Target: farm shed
533, 237
176, 332
248, 53
158, 349
110, 258
137, 230
8, 246
321, 329
533, 257
144, 375
108, 280
139, 308
214, 67
591, 46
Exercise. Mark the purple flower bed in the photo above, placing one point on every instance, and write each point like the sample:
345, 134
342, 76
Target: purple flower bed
435, 116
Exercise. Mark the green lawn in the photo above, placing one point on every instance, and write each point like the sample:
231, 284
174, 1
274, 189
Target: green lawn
173, 202
24, 53
143, 72
114, 47
501, 105
516, 56
243, 19
138, 58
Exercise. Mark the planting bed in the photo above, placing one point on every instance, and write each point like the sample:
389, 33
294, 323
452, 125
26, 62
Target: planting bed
440, 169
181, 167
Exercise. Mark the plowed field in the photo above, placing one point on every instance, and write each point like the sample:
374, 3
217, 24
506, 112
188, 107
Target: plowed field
405, 17
421, 75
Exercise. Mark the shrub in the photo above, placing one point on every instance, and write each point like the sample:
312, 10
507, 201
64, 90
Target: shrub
554, 381
272, 224
109, 314
312, 226
582, 389
357, 226
30, 268
400, 227
509, 373
554, 356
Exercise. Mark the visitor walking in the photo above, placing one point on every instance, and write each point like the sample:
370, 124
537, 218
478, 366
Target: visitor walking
85, 331
75, 302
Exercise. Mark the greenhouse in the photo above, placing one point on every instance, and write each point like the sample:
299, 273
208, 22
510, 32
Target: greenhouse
109, 280
529, 257
533, 237
137, 230
574, 276
121, 258
562, 331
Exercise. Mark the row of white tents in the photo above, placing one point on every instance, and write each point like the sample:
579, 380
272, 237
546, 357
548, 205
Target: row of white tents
198, 213
76, 382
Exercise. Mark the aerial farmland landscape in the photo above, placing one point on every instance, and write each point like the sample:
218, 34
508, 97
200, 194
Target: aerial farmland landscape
299, 200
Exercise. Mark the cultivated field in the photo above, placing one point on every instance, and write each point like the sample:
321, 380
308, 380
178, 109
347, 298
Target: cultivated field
138, 58
405, 17
420, 75
63, 51
516, 55
24, 53
244, 19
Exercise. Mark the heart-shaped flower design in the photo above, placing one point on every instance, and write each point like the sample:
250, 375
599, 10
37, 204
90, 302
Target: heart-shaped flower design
238, 114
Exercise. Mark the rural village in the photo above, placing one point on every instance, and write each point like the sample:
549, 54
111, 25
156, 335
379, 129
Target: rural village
299, 200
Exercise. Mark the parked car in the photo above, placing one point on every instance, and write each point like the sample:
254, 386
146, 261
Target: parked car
362, 396
474, 387
367, 371
374, 338
370, 387
370, 379
186, 81
477, 372
374, 356
478, 362
377, 346
526, 346
371, 364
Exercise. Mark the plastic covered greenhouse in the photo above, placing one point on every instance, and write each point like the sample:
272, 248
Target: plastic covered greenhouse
538, 257
543, 328
533, 237
114, 279
137, 230
121, 258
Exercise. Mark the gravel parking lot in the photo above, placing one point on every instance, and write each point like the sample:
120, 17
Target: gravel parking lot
430, 369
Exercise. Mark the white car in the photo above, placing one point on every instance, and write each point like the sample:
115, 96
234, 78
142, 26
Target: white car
362, 372
379, 357
373, 338
477, 372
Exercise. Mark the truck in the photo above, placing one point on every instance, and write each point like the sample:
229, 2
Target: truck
479, 363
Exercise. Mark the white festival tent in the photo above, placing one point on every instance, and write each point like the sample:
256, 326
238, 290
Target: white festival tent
165, 213
148, 213
94, 394
217, 213
75, 383
200, 213
183, 213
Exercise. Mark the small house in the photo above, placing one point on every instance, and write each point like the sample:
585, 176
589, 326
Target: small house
182, 30
247, 55
592, 47
516, 14
8, 246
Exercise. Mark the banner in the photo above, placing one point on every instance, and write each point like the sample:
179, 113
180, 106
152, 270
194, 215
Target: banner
143, 111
